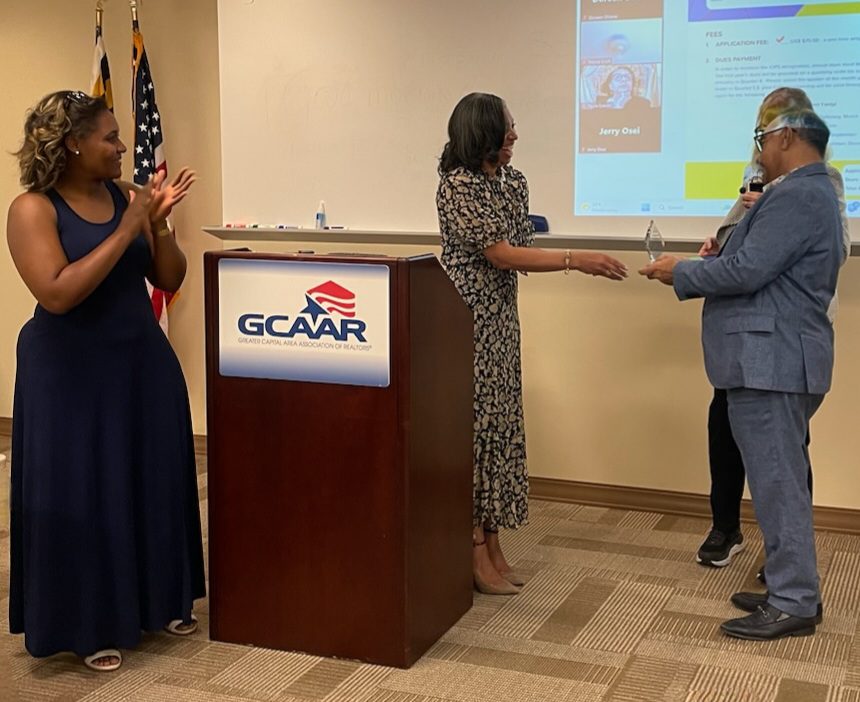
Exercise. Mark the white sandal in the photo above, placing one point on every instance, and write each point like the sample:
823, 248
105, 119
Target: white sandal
90, 661
174, 627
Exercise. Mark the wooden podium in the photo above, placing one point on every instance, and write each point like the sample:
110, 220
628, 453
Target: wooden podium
340, 515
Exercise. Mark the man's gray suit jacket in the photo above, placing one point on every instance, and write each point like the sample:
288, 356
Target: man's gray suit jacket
764, 322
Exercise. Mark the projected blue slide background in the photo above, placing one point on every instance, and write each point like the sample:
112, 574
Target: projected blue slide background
667, 93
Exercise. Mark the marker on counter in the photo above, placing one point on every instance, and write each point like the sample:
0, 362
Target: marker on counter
257, 225
335, 227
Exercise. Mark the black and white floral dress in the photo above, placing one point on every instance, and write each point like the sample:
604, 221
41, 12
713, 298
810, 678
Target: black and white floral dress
477, 211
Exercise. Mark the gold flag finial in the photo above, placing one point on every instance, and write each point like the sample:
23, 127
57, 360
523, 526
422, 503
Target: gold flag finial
133, 5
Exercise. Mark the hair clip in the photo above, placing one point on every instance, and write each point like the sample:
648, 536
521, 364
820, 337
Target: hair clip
74, 96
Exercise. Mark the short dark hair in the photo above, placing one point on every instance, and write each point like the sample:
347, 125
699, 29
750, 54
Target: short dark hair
809, 127
817, 136
476, 133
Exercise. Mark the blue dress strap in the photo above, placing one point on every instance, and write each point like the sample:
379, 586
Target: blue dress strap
118, 196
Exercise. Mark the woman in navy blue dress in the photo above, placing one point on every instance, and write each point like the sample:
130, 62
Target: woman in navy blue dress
106, 535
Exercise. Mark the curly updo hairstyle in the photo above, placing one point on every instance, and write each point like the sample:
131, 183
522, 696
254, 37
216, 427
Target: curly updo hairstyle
780, 101
42, 157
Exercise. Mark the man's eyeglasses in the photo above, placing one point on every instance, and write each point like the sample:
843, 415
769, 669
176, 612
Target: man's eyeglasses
760, 134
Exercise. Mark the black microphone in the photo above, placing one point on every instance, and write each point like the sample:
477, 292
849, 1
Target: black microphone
755, 184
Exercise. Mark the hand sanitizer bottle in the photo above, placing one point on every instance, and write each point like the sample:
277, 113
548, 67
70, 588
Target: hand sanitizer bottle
319, 220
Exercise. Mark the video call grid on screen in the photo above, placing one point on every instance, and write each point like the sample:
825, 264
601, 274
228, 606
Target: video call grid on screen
667, 93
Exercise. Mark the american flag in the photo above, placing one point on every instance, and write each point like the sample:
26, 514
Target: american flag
148, 145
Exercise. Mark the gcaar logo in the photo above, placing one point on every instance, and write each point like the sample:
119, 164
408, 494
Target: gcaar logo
315, 321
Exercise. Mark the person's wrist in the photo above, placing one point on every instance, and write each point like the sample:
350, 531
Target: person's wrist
162, 228
129, 231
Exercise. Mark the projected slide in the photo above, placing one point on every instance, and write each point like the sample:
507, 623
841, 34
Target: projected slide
667, 93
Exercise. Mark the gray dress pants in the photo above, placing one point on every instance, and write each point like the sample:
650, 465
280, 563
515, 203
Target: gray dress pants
770, 430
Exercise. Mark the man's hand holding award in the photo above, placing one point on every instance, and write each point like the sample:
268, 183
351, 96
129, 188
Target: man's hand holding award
661, 265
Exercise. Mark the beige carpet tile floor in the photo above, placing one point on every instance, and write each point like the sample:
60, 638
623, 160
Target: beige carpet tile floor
615, 610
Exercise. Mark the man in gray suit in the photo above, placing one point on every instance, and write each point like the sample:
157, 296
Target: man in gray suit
769, 344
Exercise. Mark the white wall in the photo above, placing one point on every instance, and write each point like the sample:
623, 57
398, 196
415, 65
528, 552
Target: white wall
349, 101
47, 46
614, 387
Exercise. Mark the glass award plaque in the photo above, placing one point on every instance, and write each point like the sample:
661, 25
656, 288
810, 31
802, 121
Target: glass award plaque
654, 243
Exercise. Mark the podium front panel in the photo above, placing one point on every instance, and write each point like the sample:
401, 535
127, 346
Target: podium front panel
310, 509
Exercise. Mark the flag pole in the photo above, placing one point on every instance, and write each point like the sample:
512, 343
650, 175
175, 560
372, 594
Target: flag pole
100, 80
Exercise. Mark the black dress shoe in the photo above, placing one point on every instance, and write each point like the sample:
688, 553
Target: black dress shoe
751, 601
768, 623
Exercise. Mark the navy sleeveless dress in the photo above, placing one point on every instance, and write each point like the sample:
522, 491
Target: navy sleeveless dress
105, 534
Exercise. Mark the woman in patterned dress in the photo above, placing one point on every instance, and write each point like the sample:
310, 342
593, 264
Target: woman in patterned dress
487, 238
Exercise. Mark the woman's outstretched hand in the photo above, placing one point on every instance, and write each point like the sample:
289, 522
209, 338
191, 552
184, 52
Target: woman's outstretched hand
599, 264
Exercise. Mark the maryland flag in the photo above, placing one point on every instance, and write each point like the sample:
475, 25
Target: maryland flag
148, 145
101, 70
